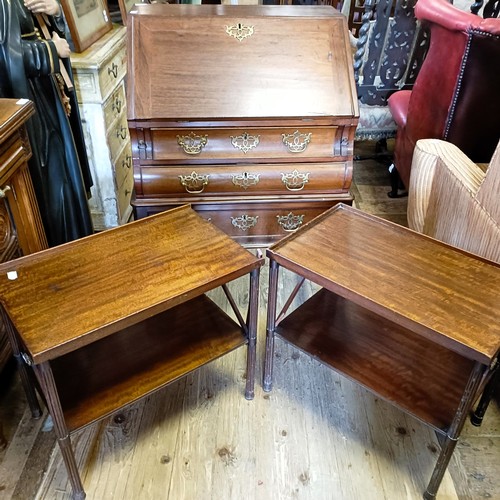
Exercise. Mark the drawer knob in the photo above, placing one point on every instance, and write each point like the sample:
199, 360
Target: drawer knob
192, 144
113, 70
290, 222
245, 142
295, 181
244, 222
194, 183
245, 180
296, 142
3, 192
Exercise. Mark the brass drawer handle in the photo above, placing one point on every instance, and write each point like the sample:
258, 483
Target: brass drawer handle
245, 142
113, 70
194, 183
244, 222
121, 132
295, 181
296, 142
117, 105
245, 180
192, 144
290, 222
127, 162
3, 192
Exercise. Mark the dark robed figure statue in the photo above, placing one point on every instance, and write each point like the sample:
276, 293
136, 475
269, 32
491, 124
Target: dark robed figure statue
29, 68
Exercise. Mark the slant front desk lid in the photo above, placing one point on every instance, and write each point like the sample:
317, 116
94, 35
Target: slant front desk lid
210, 62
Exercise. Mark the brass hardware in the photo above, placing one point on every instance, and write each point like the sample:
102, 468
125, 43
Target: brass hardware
3, 192
121, 132
245, 142
192, 144
245, 179
239, 31
290, 222
142, 144
194, 183
127, 162
127, 192
113, 70
244, 222
295, 181
117, 104
296, 142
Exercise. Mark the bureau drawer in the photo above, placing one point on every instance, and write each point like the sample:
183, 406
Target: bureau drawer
243, 144
123, 166
253, 223
242, 180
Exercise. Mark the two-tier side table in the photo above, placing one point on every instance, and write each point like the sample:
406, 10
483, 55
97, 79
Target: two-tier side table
108, 319
413, 320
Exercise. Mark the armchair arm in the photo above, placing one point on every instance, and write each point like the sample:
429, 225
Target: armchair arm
442, 200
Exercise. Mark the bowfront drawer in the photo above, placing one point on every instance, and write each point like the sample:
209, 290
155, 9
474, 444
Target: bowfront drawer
245, 180
253, 223
239, 144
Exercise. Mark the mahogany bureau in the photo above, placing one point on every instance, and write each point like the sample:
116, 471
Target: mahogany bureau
248, 113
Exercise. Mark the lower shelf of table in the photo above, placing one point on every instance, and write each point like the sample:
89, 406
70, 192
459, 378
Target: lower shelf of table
107, 375
411, 372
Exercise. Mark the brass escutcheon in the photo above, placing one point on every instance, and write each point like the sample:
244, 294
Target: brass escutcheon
239, 31
244, 222
290, 222
194, 183
192, 144
245, 180
295, 181
245, 142
296, 142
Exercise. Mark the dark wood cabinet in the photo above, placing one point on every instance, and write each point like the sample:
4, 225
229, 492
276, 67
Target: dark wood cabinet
21, 230
248, 114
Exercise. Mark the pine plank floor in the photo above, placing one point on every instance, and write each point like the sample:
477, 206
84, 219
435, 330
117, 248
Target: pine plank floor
315, 436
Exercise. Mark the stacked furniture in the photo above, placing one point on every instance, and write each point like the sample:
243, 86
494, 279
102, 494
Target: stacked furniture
248, 114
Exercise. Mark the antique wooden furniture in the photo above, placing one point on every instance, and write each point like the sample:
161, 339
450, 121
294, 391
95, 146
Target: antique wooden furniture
249, 115
99, 73
399, 313
21, 229
120, 314
455, 96
453, 200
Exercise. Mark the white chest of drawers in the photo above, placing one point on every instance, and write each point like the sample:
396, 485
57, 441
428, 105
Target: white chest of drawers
99, 74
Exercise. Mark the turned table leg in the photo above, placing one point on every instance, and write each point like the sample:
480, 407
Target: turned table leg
271, 325
253, 307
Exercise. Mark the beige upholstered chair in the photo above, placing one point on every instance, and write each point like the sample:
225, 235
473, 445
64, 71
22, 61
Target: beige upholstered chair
454, 200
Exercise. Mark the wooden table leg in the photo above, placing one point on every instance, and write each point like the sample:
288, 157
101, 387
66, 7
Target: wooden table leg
271, 324
253, 308
454, 431
47, 383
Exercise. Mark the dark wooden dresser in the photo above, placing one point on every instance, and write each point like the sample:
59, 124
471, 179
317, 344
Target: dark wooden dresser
247, 113
21, 230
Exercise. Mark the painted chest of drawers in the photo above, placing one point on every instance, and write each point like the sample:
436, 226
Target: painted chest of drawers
247, 113
99, 73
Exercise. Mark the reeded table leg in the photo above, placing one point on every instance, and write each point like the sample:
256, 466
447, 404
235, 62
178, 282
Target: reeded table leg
271, 324
46, 379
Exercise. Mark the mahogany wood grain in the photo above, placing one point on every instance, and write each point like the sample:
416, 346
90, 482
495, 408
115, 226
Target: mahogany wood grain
152, 354
411, 372
86, 290
437, 291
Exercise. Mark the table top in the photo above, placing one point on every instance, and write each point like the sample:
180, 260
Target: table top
444, 294
69, 296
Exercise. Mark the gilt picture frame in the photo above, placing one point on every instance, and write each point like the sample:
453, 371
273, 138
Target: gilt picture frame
88, 20
125, 8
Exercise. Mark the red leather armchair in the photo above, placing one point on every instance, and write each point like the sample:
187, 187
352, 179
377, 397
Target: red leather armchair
456, 96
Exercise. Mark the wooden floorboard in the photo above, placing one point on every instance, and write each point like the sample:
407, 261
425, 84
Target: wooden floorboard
315, 436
